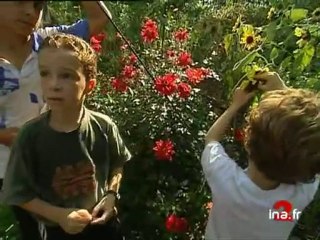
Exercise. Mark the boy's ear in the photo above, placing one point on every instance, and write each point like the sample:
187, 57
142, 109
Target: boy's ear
91, 84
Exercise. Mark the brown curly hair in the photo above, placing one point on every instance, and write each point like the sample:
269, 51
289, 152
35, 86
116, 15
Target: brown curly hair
283, 135
86, 55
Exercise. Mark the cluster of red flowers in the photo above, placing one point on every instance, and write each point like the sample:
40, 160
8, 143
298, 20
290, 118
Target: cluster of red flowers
128, 73
169, 83
96, 40
176, 224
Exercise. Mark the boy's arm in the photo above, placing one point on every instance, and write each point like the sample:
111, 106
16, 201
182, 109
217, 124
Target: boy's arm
218, 129
115, 179
96, 17
216, 164
8, 135
19, 185
119, 155
94, 23
46, 210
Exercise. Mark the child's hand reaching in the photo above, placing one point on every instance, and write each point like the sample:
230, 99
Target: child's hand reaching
241, 98
75, 220
269, 81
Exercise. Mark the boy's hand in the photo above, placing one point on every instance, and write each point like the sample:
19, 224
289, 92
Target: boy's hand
241, 98
75, 220
104, 210
8, 135
269, 81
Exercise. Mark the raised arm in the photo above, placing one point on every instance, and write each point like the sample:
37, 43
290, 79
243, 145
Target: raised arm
96, 17
218, 129
94, 23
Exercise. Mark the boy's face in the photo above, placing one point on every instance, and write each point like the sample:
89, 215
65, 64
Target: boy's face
20, 17
63, 82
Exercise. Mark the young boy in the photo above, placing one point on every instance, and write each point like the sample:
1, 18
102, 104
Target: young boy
20, 92
282, 142
70, 158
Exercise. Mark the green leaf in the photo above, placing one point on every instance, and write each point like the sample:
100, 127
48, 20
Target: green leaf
271, 31
228, 40
274, 53
229, 80
285, 63
246, 60
298, 14
318, 51
303, 57
314, 30
308, 52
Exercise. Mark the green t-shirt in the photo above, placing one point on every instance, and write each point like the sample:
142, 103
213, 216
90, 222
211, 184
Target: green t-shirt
69, 170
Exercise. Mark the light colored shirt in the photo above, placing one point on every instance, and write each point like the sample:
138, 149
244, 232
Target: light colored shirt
20, 91
241, 209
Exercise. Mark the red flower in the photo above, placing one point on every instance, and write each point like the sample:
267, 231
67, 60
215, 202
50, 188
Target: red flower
184, 59
164, 149
149, 31
119, 85
99, 37
181, 35
184, 90
133, 59
166, 84
96, 40
176, 224
129, 71
239, 135
96, 47
195, 75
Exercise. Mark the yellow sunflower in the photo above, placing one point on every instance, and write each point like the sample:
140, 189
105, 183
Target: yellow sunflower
249, 38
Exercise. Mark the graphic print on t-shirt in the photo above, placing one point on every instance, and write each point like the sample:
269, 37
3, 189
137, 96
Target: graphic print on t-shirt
70, 181
7, 84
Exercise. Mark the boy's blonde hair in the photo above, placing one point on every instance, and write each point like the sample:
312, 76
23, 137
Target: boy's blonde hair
80, 47
283, 135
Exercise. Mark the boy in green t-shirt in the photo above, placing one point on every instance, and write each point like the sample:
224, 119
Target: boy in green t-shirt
66, 165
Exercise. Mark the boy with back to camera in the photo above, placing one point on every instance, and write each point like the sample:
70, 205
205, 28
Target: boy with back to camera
66, 165
282, 143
